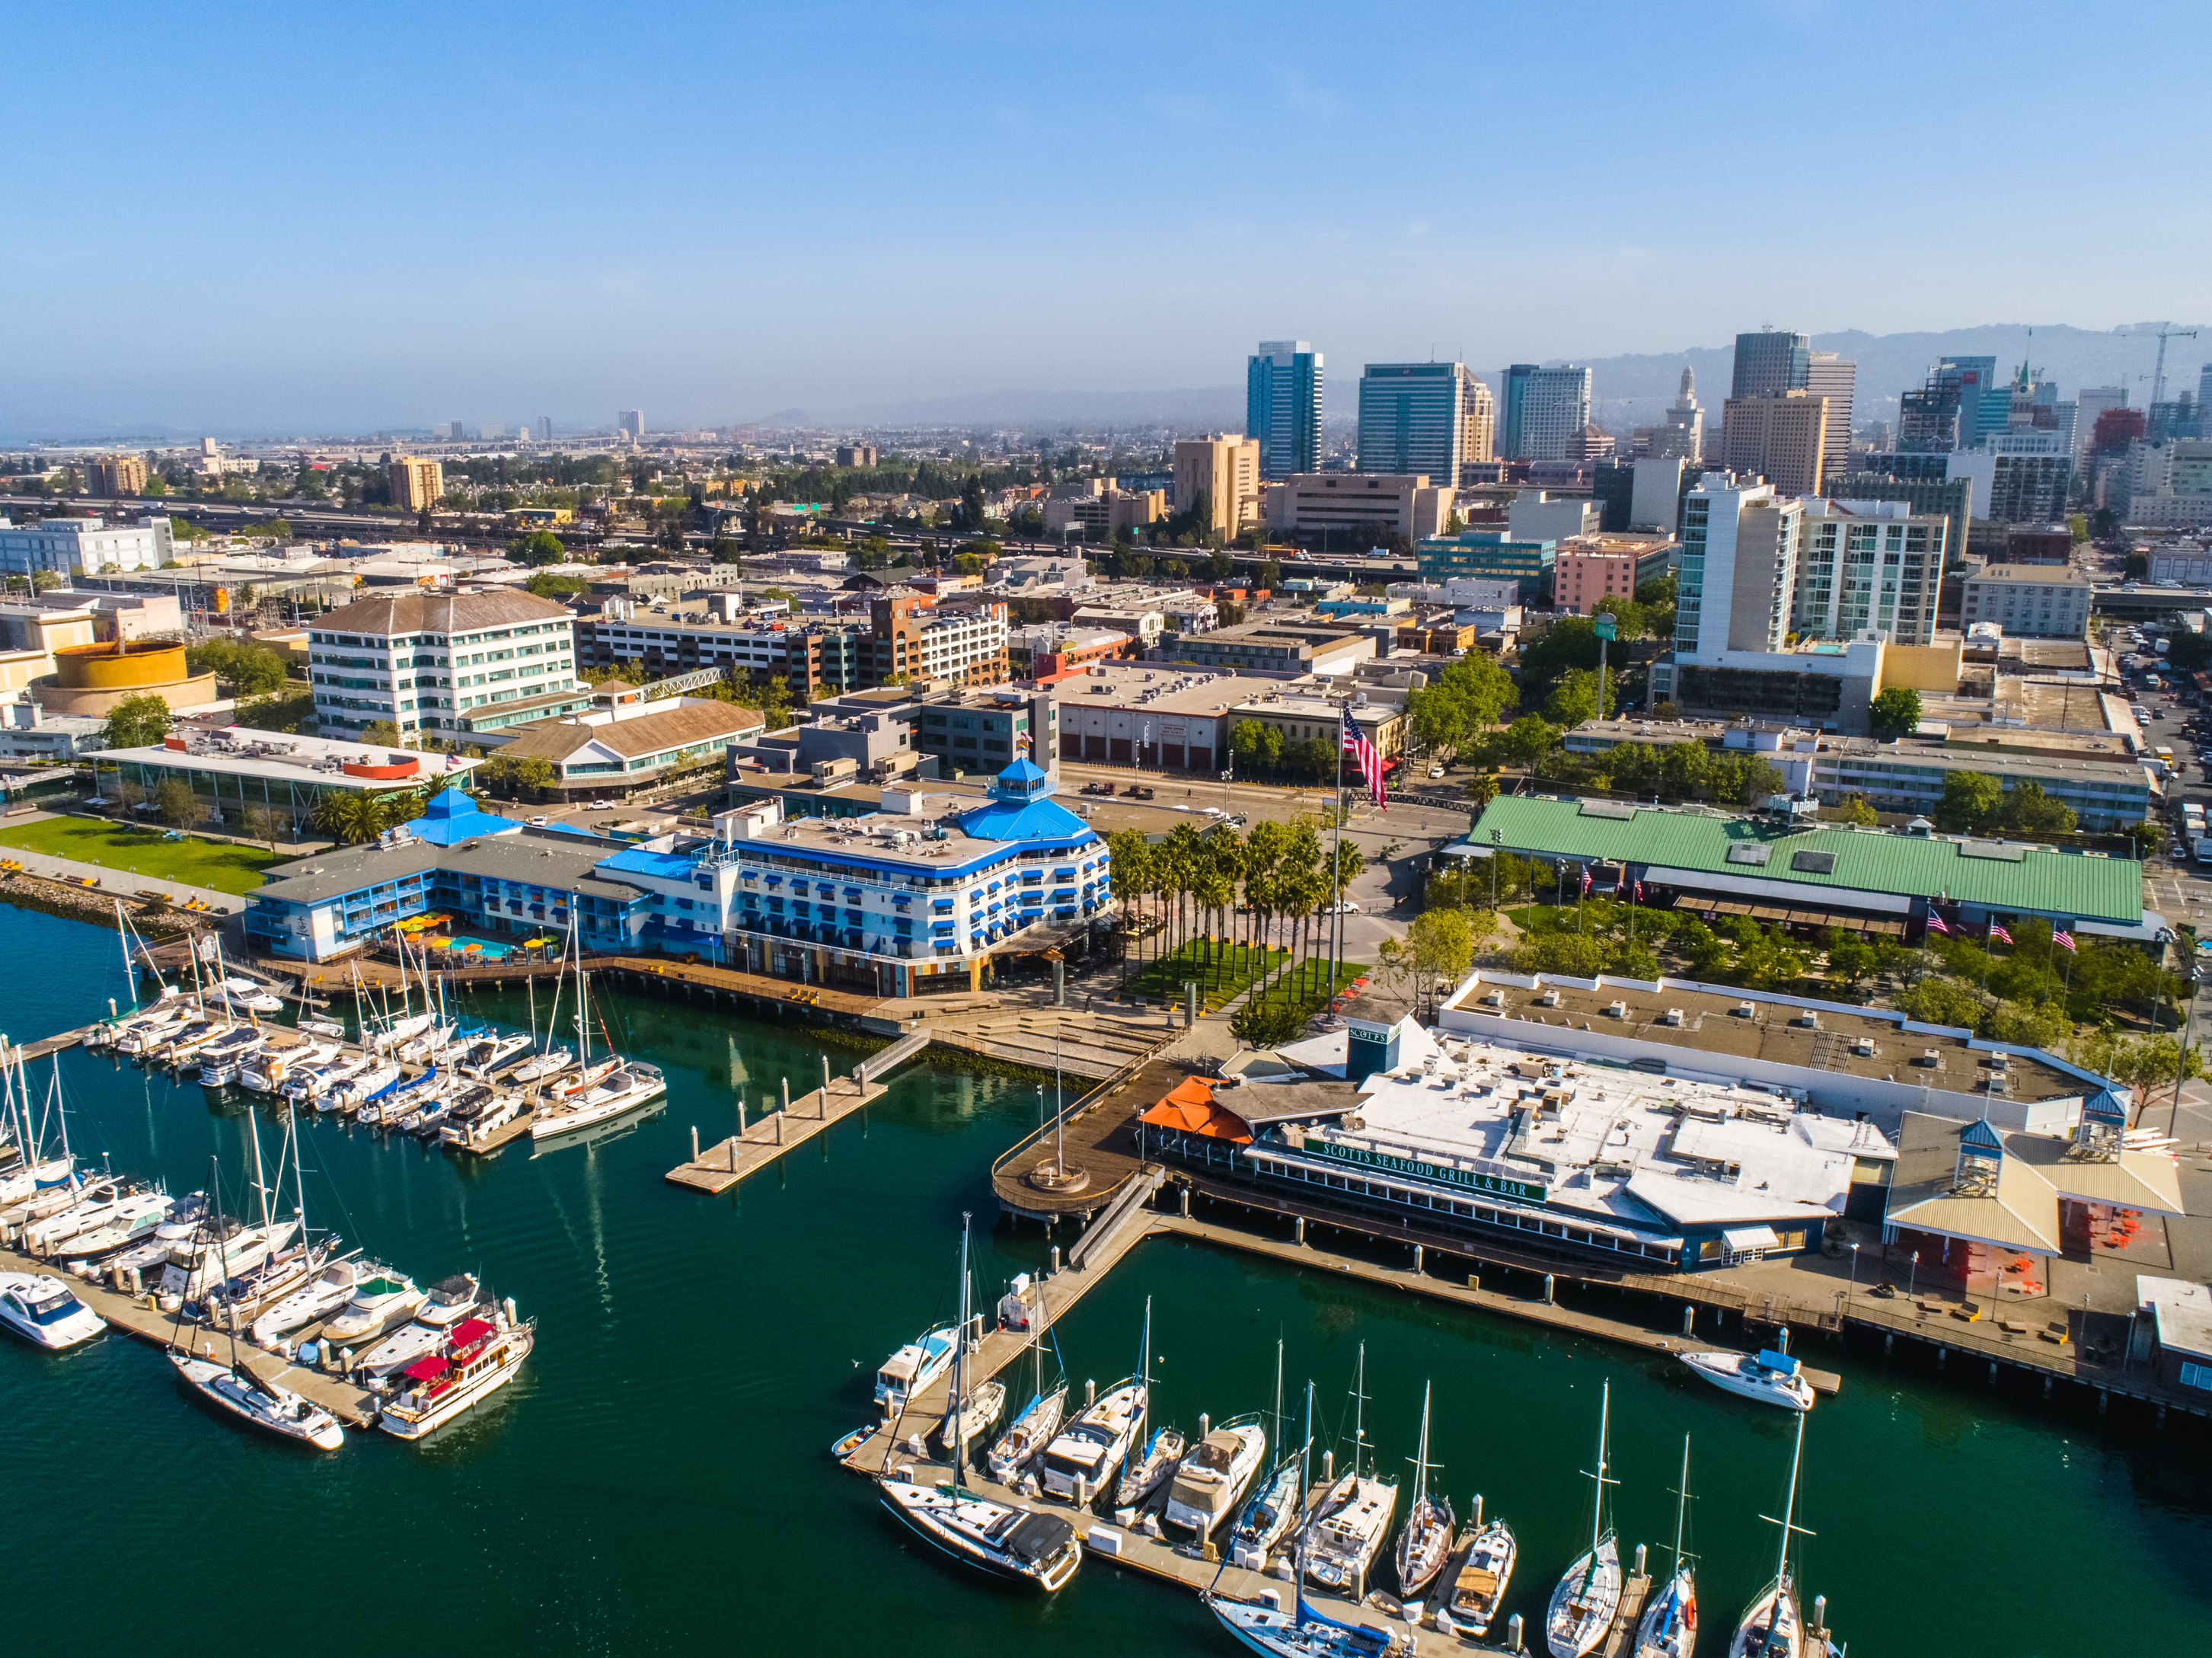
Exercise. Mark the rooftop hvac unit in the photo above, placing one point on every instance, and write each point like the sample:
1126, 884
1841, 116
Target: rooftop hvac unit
1808, 1020
1997, 1062
1929, 1057
1617, 1009
1495, 999
1746, 1010
1863, 1047
1549, 999
1674, 1016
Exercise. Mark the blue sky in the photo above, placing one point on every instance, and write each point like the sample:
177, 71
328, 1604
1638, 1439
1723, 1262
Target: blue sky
257, 218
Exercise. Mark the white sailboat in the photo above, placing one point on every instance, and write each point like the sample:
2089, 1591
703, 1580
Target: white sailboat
321, 1296
970, 1412
1273, 1509
1771, 1626
1038, 1421
1669, 1625
1588, 1595
1344, 1538
1426, 1541
1143, 1473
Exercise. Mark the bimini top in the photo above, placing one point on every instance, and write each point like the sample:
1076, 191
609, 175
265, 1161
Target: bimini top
1021, 809
453, 817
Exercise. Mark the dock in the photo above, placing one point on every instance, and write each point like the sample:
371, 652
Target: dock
49, 1044
760, 1143
504, 1135
356, 1407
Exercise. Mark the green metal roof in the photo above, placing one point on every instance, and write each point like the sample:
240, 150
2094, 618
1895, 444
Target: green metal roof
2069, 884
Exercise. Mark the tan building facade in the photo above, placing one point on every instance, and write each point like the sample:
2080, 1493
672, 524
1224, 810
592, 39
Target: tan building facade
1375, 503
415, 484
1782, 438
1479, 429
115, 476
2039, 601
1226, 470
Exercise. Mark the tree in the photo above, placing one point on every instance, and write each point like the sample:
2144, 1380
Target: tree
514, 777
1574, 699
1895, 713
1970, 800
546, 585
725, 550
1441, 944
1259, 1024
1850, 957
2028, 811
242, 670
139, 722
180, 807
538, 547
2188, 651
1527, 740
1856, 810
351, 817
263, 822
380, 731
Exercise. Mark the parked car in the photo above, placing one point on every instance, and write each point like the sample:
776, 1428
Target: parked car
1139, 791
1341, 907
1436, 770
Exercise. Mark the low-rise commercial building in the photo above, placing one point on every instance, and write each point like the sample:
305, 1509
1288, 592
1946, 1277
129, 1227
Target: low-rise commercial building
1279, 647
1489, 556
1051, 650
422, 661
1354, 511
1151, 716
75, 547
2036, 601
1310, 716
233, 771
627, 742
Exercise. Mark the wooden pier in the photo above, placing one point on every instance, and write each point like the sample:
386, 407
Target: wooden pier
763, 1141
505, 1135
49, 1044
354, 1406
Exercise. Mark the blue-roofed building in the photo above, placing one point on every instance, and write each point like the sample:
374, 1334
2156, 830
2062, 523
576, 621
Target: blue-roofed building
454, 817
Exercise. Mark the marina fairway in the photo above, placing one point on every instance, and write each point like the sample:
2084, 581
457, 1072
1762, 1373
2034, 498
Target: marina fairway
668, 1441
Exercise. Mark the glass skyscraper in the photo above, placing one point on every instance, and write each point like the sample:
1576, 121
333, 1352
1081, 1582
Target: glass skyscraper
1545, 408
1282, 406
1769, 362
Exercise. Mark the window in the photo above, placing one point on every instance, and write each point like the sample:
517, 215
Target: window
2196, 1375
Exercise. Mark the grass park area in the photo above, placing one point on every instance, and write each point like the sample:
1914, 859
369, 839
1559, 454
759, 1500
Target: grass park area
1222, 970
135, 849
1305, 988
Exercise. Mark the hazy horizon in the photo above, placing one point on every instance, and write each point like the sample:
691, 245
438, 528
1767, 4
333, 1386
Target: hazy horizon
293, 225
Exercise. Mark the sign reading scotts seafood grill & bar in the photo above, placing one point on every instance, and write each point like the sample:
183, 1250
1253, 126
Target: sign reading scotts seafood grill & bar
1528, 1190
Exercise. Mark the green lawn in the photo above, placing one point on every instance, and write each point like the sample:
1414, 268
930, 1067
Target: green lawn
1218, 981
133, 851
1306, 987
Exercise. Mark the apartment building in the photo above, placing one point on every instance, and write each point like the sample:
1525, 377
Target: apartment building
1864, 564
415, 482
86, 547
756, 646
2031, 601
1589, 572
1363, 508
116, 475
1106, 513
1226, 470
1739, 569
914, 641
1782, 437
422, 661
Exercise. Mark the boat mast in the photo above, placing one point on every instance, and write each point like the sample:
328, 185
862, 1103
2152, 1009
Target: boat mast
1305, 1471
123, 938
1421, 1460
1682, 1505
952, 1419
1358, 1409
61, 1115
1279, 1397
260, 1183
1597, 1503
1782, 1584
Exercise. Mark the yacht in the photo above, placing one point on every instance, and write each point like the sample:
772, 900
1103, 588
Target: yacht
380, 1300
155, 1030
1344, 1537
1770, 1377
1038, 1551
1588, 1594
252, 994
400, 1348
914, 1367
45, 1311
1771, 1626
635, 1084
1475, 1586
131, 1215
1032, 1431
491, 1053
267, 1070
451, 1300
1088, 1453
220, 1060
135, 1219
551, 1063
1430, 1523
472, 1124
312, 1082
1210, 1481
321, 1296
272, 1409
198, 1264
187, 1043
479, 1357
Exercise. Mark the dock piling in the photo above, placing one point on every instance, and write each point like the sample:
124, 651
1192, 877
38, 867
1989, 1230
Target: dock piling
695, 1142
1548, 1284
1055, 1260
786, 1094
1689, 1318
1417, 1260
1513, 1632
1299, 1235
825, 1085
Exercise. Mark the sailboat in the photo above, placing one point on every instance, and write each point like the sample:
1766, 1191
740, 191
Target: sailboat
1343, 1539
1143, 1474
1588, 1596
1008, 1541
236, 1391
1080, 1460
1426, 1541
1771, 1626
37, 1171
1273, 1508
1039, 1420
600, 1089
1669, 1628
1478, 1582
970, 1412
1303, 1632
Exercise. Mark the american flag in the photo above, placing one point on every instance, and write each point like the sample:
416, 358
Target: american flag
2062, 938
1361, 747
1997, 930
1639, 891
1586, 878
1938, 921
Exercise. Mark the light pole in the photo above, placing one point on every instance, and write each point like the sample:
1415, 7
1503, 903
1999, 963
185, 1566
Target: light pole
1912, 1277
1605, 628
1497, 851
1855, 1269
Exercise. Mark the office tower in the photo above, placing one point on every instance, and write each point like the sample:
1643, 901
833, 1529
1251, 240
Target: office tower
1826, 374
630, 424
1782, 437
491, 432
1739, 569
1655, 500
1226, 470
1282, 406
113, 476
1867, 565
452, 432
545, 429
1544, 410
1960, 406
1479, 439
1412, 420
1768, 363
415, 484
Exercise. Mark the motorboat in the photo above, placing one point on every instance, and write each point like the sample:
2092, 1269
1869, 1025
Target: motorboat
977, 1416
1587, 1594
1145, 1472
1770, 1377
1772, 1626
473, 1123
1343, 1538
381, 1299
1018, 1544
187, 1044
45, 1312
551, 1063
1032, 1431
1475, 1585
479, 1357
267, 1070
183, 1219
1668, 1627
914, 1367
1212, 1478
144, 1035
491, 1053
127, 1216
424, 1124
359, 1089
1302, 1634
623, 1090
252, 994
272, 1409
401, 1032
322, 1294
198, 1265
73, 1193
1426, 1541
222, 1060
400, 1348
451, 1300
1088, 1453
1267, 1518
305, 1083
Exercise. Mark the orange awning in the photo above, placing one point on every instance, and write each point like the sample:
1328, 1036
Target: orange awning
1189, 1108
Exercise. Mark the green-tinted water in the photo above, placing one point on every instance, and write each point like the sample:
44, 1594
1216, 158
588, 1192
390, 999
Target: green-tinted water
657, 1478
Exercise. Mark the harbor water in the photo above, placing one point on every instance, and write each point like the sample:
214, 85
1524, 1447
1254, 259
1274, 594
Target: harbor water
659, 1478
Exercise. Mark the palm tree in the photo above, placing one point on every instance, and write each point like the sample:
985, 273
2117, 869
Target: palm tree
350, 816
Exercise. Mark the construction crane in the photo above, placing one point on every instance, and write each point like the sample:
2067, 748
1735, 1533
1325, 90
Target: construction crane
2158, 376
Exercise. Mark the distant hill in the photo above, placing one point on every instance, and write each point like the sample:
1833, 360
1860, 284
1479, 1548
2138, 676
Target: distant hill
1188, 409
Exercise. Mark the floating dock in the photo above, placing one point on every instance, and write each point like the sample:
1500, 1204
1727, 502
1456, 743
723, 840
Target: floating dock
762, 1142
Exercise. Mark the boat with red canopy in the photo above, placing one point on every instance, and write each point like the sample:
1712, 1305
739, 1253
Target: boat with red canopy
479, 1357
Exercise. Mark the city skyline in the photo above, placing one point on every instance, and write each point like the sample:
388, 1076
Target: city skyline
583, 244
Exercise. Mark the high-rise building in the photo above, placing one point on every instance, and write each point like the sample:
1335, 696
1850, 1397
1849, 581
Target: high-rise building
1780, 435
1478, 438
1282, 406
492, 432
117, 475
1928, 490
1413, 419
1739, 569
1226, 470
1826, 374
1769, 363
545, 429
455, 431
1545, 408
631, 422
1961, 405
1866, 565
1682, 436
415, 484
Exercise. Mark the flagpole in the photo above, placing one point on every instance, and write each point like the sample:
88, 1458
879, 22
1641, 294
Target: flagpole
1336, 862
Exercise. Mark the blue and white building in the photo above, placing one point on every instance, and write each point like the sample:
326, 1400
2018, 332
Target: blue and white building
85, 546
